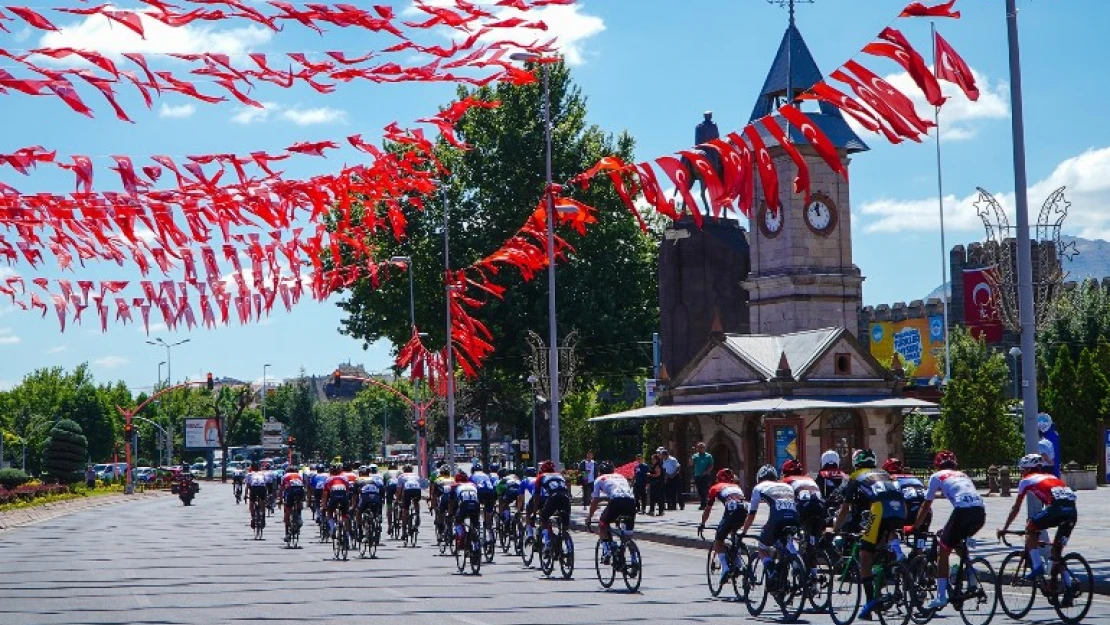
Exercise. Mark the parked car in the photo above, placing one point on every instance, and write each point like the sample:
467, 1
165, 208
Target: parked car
111, 471
199, 469
143, 474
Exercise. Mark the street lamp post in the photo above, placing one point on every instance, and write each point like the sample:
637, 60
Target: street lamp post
553, 333
1015, 353
533, 380
450, 455
264, 367
422, 441
158, 342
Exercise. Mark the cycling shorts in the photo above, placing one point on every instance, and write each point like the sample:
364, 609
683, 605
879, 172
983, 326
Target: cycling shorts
776, 526
390, 491
811, 516
318, 494
444, 502
1061, 514
735, 514
370, 503
619, 507
510, 494
411, 495
559, 504
487, 497
369, 498
963, 524
467, 510
337, 499
882, 518
292, 495
257, 493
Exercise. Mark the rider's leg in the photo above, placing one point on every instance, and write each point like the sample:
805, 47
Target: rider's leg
1032, 547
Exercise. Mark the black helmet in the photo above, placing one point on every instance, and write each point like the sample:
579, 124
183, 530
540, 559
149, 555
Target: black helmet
530, 472
605, 468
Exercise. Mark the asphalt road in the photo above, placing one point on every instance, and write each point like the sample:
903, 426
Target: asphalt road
157, 562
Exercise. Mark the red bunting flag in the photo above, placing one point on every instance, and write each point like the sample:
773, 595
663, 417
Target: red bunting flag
768, 175
678, 173
816, 137
951, 67
918, 9
895, 47
801, 182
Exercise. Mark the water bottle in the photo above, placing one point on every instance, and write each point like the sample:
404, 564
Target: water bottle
952, 571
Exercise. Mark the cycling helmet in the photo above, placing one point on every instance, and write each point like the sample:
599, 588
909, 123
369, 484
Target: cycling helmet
363, 471
494, 468
766, 472
407, 468
893, 466
725, 475
530, 472
830, 457
254, 466
1031, 462
945, 460
321, 468
461, 478
864, 458
477, 466
290, 469
502, 473
792, 467
445, 471
605, 468
336, 469
373, 469
547, 466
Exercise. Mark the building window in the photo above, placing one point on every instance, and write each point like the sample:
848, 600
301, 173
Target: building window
842, 364
841, 431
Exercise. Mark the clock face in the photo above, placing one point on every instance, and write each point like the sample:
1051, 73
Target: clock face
770, 221
821, 215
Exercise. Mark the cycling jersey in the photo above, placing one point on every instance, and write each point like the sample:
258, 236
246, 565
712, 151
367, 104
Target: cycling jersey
528, 486
465, 493
508, 488
873, 491
830, 481
778, 495
292, 479
408, 481
318, 481
337, 484
736, 510
551, 485
805, 487
1048, 488
391, 477
612, 486
256, 479
956, 486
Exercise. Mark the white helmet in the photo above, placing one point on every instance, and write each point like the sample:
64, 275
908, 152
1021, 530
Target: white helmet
1030, 461
830, 457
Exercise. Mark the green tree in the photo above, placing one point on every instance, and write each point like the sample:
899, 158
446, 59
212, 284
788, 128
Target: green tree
65, 452
1060, 399
607, 289
974, 421
1076, 398
1081, 319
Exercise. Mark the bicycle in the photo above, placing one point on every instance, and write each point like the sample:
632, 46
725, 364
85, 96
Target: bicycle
528, 544
505, 530
411, 530
845, 589
293, 528
341, 537
489, 541
370, 525
1069, 587
258, 519
237, 488
470, 549
561, 550
785, 579
968, 586
624, 556
736, 554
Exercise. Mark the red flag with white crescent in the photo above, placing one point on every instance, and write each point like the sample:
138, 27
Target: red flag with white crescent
816, 137
768, 175
894, 98
676, 171
896, 47
951, 67
801, 182
919, 9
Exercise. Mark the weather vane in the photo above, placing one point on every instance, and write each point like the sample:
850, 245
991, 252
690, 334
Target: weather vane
789, 4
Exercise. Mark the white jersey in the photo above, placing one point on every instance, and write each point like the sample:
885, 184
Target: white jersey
257, 479
481, 480
956, 486
465, 492
408, 481
778, 495
805, 488
613, 486
391, 477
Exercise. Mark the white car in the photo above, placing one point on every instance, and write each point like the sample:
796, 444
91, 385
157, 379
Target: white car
199, 469
143, 474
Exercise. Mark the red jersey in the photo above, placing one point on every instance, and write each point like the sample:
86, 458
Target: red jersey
337, 484
726, 491
291, 479
1046, 487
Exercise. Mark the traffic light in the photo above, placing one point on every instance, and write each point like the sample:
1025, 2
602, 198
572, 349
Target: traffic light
291, 441
128, 431
211, 383
421, 426
335, 379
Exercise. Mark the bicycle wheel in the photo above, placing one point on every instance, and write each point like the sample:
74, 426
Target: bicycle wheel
489, 544
375, 535
633, 566
713, 573
824, 572
1015, 593
528, 549
924, 589
756, 583
364, 533
475, 551
518, 535
413, 530
566, 556
894, 605
1074, 586
461, 555
740, 586
845, 593
790, 591
547, 557
503, 536
977, 598
606, 573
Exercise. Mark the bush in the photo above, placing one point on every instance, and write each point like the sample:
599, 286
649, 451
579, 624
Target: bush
10, 479
63, 457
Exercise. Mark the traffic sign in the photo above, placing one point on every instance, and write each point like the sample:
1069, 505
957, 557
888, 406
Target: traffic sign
525, 445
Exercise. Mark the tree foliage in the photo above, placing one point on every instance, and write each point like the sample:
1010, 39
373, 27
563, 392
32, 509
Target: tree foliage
974, 420
1076, 397
65, 452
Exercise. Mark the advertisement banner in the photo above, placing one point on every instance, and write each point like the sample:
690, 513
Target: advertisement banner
202, 433
919, 342
786, 443
980, 307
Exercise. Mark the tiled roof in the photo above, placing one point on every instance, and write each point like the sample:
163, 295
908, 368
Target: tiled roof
763, 351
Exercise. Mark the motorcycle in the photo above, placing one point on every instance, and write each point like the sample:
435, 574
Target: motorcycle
186, 491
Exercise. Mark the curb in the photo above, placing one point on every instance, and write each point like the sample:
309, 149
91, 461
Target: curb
30, 516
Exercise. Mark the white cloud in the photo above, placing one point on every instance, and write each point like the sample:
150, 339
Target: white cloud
111, 362
308, 117
7, 338
1086, 176
96, 32
251, 115
154, 328
57, 350
176, 112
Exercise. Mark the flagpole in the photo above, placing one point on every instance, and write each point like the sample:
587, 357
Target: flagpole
940, 209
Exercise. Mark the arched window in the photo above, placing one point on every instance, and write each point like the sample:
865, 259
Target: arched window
843, 432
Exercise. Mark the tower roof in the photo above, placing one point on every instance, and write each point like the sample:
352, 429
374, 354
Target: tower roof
794, 71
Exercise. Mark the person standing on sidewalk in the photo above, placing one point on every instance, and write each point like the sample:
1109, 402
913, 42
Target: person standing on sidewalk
588, 470
673, 469
702, 463
640, 483
90, 478
656, 481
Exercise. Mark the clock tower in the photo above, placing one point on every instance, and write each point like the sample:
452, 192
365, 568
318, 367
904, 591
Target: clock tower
802, 275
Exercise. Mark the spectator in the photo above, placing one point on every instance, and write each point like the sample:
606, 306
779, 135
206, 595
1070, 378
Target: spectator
673, 480
656, 481
588, 470
702, 463
90, 477
640, 483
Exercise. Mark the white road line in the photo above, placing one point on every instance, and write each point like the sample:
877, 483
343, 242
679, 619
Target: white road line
468, 620
400, 595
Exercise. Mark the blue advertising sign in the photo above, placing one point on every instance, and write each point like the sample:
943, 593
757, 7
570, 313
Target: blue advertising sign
786, 444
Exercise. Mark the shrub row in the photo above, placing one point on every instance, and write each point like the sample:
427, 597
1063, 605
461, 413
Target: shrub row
29, 492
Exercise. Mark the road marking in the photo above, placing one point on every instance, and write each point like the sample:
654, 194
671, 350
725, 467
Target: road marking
400, 595
469, 621
141, 599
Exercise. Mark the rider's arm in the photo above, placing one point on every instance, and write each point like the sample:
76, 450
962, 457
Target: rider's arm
594, 499
841, 515
922, 514
705, 513
753, 510
1013, 512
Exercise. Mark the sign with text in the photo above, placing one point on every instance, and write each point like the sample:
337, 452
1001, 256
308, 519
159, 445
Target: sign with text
980, 305
202, 433
919, 342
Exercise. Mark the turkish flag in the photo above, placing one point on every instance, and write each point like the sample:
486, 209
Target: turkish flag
768, 175
918, 9
801, 182
951, 67
677, 172
891, 96
896, 47
980, 305
816, 137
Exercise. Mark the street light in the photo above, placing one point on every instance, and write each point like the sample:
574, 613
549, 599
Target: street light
534, 447
553, 333
160, 378
1015, 353
264, 367
169, 360
422, 441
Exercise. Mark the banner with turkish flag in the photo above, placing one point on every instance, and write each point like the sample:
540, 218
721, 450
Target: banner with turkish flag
980, 305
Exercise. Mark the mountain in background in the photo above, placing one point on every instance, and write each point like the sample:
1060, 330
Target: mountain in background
1093, 261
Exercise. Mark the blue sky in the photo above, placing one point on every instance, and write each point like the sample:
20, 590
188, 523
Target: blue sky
648, 66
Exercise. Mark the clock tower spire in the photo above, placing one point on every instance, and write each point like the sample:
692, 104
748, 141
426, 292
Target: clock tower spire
802, 275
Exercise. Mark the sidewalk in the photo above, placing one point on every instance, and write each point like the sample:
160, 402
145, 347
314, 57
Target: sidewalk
1091, 538
37, 514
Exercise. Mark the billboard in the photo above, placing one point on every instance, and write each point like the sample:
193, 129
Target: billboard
202, 433
918, 341
980, 306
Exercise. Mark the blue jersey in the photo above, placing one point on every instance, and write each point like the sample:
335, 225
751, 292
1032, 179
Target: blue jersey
318, 481
481, 480
528, 486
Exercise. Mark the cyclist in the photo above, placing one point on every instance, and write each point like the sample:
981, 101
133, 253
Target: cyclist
487, 492
783, 513
830, 479
913, 491
1059, 510
877, 502
622, 503
336, 497
272, 482
526, 500
968, 516
256, 489
464, 505
731, 496
317, 483
552, 497
810, 506
508, 489
408, 492
370, 489
292, 494
237, 479
390, 478
439, 495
